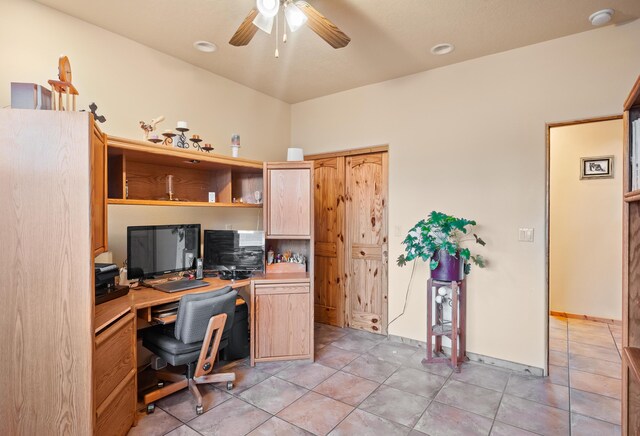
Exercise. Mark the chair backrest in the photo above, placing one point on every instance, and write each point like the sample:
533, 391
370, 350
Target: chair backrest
195, 310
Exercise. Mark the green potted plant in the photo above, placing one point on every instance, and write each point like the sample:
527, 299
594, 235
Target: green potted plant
438, 240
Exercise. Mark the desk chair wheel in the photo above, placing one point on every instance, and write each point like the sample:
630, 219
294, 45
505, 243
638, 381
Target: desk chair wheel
151, 408
199, 410
229, 385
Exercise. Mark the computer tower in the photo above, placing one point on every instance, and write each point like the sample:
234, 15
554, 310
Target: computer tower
238, 346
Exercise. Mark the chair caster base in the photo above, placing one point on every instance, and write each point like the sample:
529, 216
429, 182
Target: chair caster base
199, 410
229, 385
151, 408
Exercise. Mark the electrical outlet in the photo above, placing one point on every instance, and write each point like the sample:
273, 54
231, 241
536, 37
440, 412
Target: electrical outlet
228, 226
525, 235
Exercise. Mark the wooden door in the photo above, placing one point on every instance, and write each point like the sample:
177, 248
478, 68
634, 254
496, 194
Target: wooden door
329, 217
98, 189
289, 201
366, 248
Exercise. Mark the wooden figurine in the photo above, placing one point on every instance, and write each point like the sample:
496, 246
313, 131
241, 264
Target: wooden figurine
63, 86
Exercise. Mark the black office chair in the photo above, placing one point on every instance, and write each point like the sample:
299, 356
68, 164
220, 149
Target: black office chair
202, 327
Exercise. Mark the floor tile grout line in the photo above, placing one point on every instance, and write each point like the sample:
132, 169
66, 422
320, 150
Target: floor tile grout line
413, 427
595, 419
595, 393
615, 343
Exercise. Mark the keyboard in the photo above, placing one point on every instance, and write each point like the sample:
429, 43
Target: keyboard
180, 285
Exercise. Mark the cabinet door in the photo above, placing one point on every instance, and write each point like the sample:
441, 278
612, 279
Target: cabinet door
283, 321
289, 200
98, 190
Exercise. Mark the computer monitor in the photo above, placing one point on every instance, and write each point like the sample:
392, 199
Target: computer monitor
242, 250
157, 250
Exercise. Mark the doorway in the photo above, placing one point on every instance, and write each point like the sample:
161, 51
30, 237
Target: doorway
583, 247
351, 234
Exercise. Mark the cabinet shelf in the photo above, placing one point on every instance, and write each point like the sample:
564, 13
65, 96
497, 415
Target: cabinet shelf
130, 201
138, 173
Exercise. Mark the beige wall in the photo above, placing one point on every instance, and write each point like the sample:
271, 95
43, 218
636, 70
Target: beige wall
131, 82
585, 250
469, 139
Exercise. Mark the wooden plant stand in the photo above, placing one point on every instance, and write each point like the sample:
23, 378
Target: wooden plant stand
454, 329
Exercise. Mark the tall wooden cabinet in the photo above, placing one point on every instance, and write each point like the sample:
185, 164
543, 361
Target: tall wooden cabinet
47, 255
282, 303
631, 268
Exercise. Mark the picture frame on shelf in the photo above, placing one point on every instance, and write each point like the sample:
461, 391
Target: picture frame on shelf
596, 167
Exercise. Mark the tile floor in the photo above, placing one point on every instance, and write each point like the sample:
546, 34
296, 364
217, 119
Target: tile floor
362, 384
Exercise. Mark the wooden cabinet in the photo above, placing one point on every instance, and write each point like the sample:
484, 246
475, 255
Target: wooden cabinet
98, 189
282, 320
114, 377
288, 208
631, 266
47, 282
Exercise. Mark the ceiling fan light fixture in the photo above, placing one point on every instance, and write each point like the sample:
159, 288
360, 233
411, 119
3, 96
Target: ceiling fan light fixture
294, 16
263, 23
442, 49
268, 8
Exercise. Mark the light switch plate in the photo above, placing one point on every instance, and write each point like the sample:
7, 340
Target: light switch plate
525, 235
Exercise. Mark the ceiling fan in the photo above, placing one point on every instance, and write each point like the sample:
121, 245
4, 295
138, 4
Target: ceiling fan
296, 13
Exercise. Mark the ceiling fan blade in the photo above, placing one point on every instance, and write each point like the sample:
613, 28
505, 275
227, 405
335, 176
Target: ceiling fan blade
246, 30
324, 28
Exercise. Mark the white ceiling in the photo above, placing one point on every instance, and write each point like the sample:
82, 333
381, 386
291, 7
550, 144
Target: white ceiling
389, 38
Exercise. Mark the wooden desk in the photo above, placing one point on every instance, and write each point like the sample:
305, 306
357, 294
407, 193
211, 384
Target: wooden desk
280, 316
141, 300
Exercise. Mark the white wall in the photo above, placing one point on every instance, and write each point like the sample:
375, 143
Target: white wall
585, 250
469, 139
131, 82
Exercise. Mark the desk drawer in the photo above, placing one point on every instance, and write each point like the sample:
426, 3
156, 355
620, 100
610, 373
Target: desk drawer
114, 357
116, 415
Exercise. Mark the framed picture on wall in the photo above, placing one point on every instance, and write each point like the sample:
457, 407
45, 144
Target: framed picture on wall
596, 167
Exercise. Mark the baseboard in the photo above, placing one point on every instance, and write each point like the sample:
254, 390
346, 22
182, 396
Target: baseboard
475, 357
586, 317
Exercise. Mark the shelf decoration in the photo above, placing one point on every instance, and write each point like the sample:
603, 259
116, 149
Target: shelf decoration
235, 145
182, 138
181, 142
148, 128
168, 137
63, 86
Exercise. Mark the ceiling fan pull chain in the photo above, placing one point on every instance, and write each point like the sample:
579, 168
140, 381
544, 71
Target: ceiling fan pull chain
284, 27
277, 27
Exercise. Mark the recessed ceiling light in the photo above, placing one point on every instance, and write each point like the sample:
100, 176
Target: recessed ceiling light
442, 49
601, 17
205, 46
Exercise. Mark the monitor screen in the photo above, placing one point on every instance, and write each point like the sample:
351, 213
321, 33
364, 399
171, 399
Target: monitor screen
156, 250
241, 249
